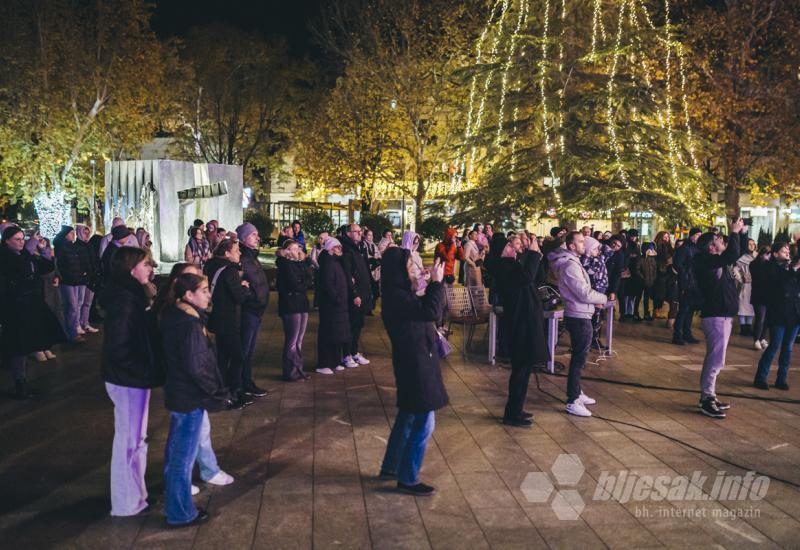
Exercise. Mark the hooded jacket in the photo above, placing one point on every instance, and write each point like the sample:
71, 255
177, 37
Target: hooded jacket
228, 297
574, 285
72, 259
449, 251
193, 378
409, 320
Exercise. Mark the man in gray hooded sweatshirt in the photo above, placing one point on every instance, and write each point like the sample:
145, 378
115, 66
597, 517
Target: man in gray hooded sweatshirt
579, 306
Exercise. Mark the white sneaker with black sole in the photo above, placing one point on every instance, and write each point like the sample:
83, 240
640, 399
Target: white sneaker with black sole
720, 405
709, 408
578, 409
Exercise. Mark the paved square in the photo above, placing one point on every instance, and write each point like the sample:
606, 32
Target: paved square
305, 459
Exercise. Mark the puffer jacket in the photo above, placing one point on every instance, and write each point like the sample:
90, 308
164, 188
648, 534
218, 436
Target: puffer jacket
73, 263
193, 378
574, 285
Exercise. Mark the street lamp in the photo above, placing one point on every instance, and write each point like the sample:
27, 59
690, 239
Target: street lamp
93, 205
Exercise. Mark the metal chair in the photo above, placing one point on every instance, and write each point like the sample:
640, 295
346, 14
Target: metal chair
461, 311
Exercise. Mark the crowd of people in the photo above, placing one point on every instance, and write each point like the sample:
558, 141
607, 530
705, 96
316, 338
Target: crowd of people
156, 337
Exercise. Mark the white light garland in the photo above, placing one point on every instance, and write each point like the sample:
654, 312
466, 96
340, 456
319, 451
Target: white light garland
523, 15
612, 130
54, 210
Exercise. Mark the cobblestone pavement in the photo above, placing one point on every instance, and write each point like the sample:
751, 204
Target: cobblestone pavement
306, 458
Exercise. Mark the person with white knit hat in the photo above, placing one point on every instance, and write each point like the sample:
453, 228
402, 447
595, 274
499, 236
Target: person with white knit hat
334, 309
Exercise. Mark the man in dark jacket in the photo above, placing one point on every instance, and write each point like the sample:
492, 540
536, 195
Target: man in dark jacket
687, 288
713, 271
409, 321
256, 304
614, 265
360, 281
119, 236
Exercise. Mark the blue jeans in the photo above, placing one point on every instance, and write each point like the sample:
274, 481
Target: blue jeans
179, 457
407, 443
580, 338
251, 323
72, 300
781, 337
206, 459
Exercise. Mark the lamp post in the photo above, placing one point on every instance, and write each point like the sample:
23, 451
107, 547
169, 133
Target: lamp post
93, 204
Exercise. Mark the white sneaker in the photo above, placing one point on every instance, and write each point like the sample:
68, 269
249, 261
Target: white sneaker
764, 344
349, 362
360, 359
195, 489
49, 354
324, 371
80, 331
585, 399
40, 356
757, 345
220, 478
90, 329
340, 367
578, 409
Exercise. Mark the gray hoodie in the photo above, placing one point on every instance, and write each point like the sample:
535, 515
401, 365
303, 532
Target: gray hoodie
574, 285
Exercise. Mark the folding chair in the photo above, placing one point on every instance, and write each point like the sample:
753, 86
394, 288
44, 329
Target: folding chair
460, 310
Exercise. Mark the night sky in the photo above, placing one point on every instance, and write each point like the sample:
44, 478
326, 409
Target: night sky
272, 18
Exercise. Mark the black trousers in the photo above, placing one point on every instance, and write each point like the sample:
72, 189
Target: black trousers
580, 335
517, 390
356, 324
329, 354
230, 360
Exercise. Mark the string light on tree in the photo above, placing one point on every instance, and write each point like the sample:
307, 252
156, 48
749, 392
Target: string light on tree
53, 210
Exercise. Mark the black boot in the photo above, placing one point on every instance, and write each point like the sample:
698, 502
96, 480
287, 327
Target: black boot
22, 391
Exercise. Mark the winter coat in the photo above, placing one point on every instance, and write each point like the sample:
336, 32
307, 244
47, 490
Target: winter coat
783, 294
522, 308
574, 285
253, 273
358, 275
72, 263
228, 297
334, 300
647, 271
410, 322
595, 267
193, 379
131, 354
715, 284
682, 261
614, 265
95, 273
664, 288
759, 290
294, 280
28, 324
449, 252
745, 283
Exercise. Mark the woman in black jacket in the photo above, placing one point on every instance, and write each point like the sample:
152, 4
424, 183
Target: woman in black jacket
194, 385
228, 292
294, 280
410, 321
334, 309
72, 263
131, 367
783, 315
515, 273
759, 291
28, 324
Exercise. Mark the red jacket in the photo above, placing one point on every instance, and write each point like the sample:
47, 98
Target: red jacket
449, 252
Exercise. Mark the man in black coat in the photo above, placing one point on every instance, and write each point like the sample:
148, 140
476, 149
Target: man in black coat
360, 291
256, 304
687, 288
713, 271
119, 236
614, 265
73, 265
515, 274
409, 320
